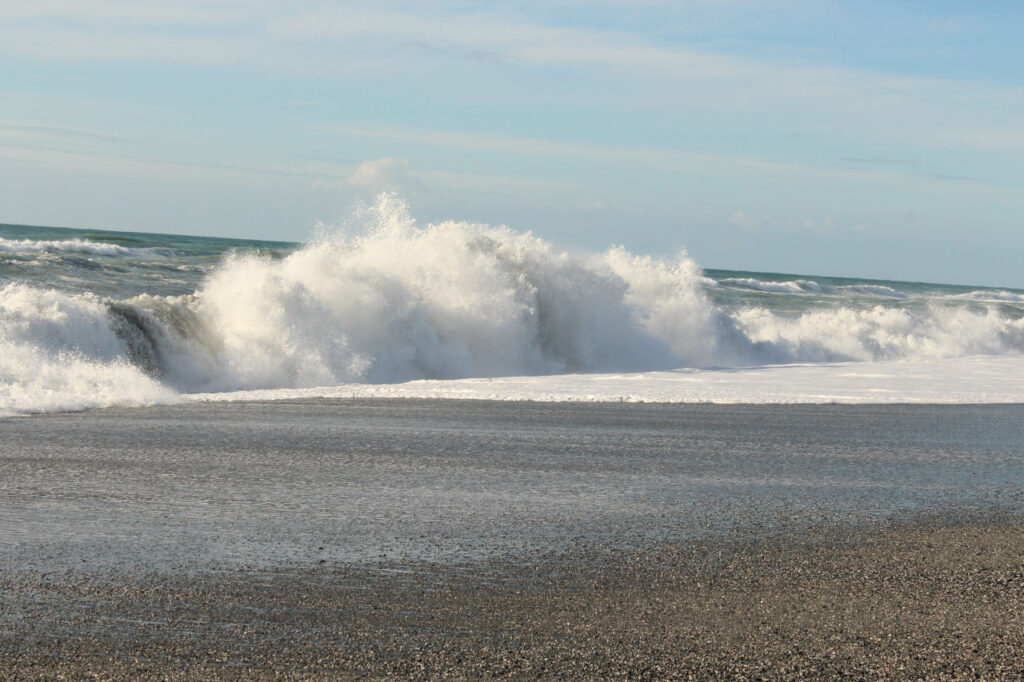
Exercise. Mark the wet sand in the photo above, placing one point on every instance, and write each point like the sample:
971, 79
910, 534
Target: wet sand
376, 539
932, 599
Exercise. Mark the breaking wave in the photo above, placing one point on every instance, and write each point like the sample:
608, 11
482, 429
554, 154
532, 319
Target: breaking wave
993, 295
808, 286
400, 301
83, 246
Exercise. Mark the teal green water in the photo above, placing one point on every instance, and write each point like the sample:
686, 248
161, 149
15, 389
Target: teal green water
183, 245
117, 264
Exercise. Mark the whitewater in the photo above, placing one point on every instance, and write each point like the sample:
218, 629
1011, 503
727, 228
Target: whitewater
387, 307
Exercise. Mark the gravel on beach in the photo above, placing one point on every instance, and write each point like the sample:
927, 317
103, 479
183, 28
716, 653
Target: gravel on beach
938, 598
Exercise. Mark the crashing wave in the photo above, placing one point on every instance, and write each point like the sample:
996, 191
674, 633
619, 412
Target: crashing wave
400, 301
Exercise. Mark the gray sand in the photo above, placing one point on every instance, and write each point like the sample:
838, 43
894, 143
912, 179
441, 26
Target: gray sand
931, 600
432, 539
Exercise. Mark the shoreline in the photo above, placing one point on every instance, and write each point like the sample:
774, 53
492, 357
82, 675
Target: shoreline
957, 381
940, 596
968, 380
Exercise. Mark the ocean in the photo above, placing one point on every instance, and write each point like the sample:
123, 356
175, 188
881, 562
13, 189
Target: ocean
386, 307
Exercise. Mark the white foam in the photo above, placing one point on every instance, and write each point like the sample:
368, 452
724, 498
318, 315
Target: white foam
883, 333
993, 295
27, 246
809, 286
447, 301
399, 302
872, 290
788, 287
970, 380
459, 300
58, 352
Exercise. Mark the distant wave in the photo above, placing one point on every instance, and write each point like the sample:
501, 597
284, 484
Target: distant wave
993, 295
67, 246
807, 286
444, 301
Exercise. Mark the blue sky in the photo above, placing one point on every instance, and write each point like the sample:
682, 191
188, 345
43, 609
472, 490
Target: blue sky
876, 139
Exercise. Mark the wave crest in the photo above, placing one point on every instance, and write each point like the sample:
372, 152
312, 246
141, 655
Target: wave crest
447, 301
400, 301
27, 246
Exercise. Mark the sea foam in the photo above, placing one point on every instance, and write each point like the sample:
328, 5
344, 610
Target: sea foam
28, 246
394, 301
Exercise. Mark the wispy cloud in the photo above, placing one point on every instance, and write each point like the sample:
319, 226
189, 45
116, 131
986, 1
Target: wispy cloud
743, 81
311, 37
753, 223
390, 174
880, 161
502, 38
180, 13
880, 170
996, 140
109, 44
953, 177
489, 142
540, 147
820, 224
897, 164
748, 222
385, 174
22, 130
496, 185
178, 171
111, 29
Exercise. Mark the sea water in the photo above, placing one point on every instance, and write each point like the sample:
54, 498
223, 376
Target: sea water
298, 483
387, 306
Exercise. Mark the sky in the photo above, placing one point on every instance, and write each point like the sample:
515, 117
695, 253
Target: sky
871, 139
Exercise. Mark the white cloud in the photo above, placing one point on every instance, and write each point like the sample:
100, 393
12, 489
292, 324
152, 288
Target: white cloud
671, 161
261, 33
313, 37
310, 37
397, 175
664, 158
385, 175
373, 176
732, 81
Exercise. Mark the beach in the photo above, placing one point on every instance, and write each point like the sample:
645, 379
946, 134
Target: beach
377, 538
934, 599
543, 340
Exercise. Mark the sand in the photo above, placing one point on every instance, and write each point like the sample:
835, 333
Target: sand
935, 598
473, 540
